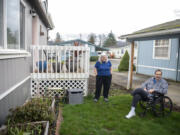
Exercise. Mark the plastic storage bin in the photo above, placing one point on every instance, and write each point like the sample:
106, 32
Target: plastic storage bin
75, 96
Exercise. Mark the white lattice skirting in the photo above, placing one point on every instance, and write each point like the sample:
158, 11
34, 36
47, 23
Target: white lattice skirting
39, 86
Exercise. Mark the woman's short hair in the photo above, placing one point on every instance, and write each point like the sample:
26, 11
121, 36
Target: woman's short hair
158, 70
103, 54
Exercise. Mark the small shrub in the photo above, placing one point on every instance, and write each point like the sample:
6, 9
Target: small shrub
124, 64
93, 58
35, 110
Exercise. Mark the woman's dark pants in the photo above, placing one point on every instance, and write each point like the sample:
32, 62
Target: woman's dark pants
104, 81
138, 94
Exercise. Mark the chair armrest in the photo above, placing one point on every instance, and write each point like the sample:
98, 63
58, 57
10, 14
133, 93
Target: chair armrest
156, 93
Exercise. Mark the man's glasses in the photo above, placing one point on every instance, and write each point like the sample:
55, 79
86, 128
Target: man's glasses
158, 74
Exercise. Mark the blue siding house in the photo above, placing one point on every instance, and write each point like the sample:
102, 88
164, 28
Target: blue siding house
158, 48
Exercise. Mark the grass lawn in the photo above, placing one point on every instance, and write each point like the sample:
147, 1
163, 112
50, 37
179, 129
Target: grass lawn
108, 119
115, 70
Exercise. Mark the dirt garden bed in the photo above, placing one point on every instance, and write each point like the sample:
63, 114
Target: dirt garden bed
38, 116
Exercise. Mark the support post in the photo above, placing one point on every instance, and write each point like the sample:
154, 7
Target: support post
131, 61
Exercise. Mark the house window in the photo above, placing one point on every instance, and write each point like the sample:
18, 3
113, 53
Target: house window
93, 49
1, 23
12, 29
162, 49
122, 51
13, 24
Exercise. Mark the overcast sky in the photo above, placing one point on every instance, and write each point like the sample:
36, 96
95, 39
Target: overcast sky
102, 16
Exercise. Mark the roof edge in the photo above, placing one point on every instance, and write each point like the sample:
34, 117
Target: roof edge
156, 33
42, 13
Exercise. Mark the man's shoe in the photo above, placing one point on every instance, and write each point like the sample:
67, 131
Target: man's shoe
106, 99
131, 114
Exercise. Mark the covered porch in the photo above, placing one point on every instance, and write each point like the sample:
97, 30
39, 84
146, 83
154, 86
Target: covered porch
59, 67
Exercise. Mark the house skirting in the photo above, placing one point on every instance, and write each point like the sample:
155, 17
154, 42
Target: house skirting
39, 86
15, 96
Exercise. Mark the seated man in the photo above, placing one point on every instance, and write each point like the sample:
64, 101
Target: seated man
145, 92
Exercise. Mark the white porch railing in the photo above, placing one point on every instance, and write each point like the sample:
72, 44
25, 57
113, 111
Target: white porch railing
60, 62
56, 67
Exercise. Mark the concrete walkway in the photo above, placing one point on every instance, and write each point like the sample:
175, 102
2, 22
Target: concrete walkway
120, 78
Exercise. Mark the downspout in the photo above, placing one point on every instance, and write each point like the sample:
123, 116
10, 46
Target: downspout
178, 55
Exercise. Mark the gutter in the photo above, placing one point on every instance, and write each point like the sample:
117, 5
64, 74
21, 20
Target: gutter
178, 55
157, 33
36, 4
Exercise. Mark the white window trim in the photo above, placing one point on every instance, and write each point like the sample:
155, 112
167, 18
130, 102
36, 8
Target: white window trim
6, 53
25, 45
154, 67
5, 24
162, 58
10, 53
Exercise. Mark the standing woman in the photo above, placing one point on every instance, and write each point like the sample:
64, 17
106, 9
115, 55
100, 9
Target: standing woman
103, 72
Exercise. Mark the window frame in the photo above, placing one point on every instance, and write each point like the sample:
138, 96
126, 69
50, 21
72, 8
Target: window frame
6, 53
169, 50
24, 25
18, 47
2, 33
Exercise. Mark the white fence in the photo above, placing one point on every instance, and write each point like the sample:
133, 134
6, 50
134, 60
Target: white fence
59, 67
60, 61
